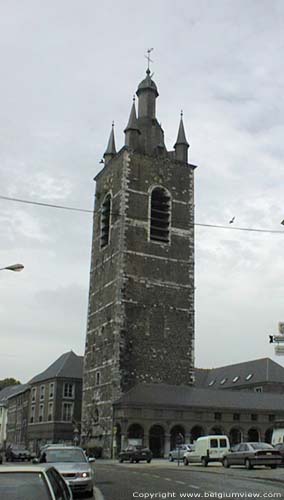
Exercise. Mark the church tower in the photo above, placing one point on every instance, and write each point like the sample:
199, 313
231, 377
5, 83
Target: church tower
141, 298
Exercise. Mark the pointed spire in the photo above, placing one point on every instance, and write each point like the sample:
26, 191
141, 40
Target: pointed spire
181, 146
132, 122
181, 138
110, 150
132, 131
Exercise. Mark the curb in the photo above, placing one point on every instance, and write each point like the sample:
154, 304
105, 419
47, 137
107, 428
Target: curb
98, 494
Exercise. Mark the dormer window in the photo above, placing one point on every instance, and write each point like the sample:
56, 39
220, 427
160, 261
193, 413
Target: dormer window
105, 221
160, 215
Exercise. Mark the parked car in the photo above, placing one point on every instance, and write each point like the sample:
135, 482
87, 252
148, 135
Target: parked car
135, 454
33, 483
250, 454
179, 451
1, 459
74, 466
280, 447
14, 452
207, 449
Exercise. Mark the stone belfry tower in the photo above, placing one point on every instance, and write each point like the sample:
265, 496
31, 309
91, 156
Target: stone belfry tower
141, 299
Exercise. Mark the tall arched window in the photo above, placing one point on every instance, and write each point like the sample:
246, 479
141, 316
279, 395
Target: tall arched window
160, 215
105, 221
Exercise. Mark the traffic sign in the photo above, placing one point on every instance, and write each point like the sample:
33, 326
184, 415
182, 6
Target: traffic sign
281, 327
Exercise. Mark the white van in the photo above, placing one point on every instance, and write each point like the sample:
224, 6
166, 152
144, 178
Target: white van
207, 449
277, 436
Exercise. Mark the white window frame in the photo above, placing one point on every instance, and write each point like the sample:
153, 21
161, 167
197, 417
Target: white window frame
73, 390
42, 392
32, 415
51, 387
67, 404
41, 413
50, 413
34, 394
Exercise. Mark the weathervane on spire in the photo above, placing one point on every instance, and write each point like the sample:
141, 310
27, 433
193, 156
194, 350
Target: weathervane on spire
149, 59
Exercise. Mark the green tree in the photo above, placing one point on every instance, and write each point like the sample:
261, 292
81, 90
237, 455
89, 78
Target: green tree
5, 382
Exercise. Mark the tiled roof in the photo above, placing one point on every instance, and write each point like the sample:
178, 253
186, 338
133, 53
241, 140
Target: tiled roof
163, 395
19, 389
68, 365
253, 372
8, 391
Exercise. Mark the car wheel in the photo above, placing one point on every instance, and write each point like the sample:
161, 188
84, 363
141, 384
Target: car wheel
89, 494
273, 466
204, 461
121, 461
132, 460
185, 461
226, 463
149, 460
248, 465
171, 458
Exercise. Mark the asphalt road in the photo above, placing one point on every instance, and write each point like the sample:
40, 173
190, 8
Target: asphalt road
153, 481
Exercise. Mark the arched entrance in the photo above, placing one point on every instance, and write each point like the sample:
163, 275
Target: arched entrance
216, 431
268, 435
177, 434
253, 435
196, 432
235, 436
135, 432
157, 441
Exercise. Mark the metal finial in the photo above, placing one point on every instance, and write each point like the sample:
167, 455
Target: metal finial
149, 59
112, 124
134, 98
181, 113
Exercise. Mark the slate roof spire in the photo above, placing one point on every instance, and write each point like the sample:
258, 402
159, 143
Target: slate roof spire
132, 131
181, 146
111, 149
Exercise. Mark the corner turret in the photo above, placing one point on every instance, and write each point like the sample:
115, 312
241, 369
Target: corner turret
181, 146
132, 131
110, 150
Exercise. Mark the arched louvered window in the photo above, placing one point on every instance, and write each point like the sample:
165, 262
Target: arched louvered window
160, 215
105, 221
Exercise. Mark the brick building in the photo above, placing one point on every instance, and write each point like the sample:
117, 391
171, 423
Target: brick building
55, 402
139, 377
17, 415
141, 300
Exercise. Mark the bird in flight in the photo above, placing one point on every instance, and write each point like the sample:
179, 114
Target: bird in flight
232, 220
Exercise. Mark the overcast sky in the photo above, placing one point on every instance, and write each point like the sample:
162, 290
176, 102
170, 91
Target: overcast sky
70, 67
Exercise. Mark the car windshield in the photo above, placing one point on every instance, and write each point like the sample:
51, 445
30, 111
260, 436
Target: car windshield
23, 486
62, 455
261, 446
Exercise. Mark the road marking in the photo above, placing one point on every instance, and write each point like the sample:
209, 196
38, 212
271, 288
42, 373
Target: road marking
180, 482
194, 486
166, 478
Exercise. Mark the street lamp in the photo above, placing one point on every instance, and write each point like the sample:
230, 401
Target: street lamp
14, 267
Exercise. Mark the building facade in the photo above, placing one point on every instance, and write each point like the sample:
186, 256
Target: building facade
4, 394
141, 299
55, 402
17, 415
154, 415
